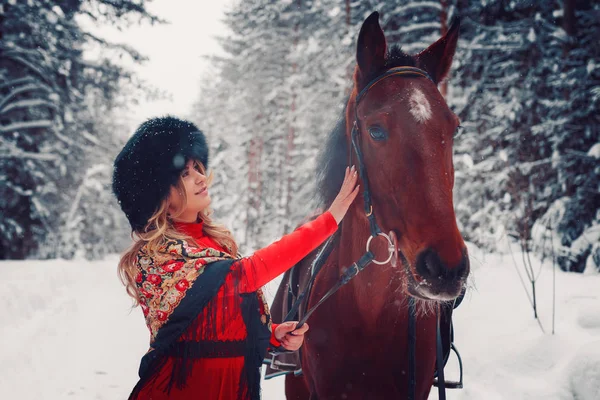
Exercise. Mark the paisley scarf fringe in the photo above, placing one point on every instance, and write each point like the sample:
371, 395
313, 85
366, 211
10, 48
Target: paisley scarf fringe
199, 340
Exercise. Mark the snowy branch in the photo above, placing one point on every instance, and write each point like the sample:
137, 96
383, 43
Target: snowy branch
503, 47
41, 74
23, 89
417, 5
16, 126
582, 155
8, 150
135, 55
28, 104
16, 82
415, 27
93, 170
85, 134
19, 190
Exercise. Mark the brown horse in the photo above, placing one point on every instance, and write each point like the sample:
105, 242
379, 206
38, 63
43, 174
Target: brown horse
357, 347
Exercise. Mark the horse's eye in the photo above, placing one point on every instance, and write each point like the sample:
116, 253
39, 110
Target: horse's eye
458, 132
377, 133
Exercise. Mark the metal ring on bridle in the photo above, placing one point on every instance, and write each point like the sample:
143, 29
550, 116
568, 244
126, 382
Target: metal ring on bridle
390, 248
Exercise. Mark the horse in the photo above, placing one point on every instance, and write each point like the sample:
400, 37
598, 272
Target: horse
401, 131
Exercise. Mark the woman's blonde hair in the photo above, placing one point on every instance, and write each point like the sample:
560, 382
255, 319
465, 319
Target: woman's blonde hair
160, 228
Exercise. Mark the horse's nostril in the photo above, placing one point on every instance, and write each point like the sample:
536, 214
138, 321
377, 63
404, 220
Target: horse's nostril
433, 265
429, 265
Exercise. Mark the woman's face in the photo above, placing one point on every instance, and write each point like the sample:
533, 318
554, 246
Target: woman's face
196, 192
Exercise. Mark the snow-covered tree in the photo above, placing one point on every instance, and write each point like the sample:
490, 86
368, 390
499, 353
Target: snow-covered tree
527, 91
524, 82
56, 138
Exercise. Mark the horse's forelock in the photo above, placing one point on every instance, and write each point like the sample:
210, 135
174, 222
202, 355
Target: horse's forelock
394, 58
397, 58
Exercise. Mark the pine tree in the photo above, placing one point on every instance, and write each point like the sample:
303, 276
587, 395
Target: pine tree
529, 101
56, 150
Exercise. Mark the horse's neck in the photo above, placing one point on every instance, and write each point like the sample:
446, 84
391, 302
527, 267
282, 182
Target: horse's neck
377, 287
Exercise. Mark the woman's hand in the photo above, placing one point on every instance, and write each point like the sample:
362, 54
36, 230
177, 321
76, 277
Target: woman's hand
290, 338
346, 196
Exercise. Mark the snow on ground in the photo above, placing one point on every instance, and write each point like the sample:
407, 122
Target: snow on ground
68, 333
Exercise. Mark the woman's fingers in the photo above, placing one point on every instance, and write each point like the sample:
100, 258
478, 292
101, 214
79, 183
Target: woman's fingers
300, 331
353, 195
350, 188
292, 342
349, 181
346, 194
345, 181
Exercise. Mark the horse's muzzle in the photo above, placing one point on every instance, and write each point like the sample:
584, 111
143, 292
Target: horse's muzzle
436, 280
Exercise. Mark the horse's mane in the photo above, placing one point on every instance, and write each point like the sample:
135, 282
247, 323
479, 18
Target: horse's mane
334, 155
331, 162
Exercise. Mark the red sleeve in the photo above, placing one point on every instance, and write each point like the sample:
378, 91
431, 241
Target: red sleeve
266, 264
274, 342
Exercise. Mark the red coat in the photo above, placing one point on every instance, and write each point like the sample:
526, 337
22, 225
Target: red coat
219, 378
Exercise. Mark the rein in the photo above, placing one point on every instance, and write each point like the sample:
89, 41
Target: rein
368, 257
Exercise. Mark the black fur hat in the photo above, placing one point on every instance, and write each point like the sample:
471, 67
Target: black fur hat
151, 162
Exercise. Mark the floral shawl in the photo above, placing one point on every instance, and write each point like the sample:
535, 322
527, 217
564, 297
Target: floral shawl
164, 278
175, 284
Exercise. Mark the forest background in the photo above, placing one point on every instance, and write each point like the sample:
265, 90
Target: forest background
525, 83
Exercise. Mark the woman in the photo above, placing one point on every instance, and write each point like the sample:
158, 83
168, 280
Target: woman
208, 320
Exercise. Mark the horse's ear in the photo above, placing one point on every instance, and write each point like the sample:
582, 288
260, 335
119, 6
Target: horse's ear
371, 48
437, 58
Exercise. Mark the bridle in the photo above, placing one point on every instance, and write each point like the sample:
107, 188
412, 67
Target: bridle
375, 230
368, 257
